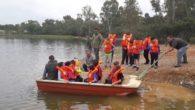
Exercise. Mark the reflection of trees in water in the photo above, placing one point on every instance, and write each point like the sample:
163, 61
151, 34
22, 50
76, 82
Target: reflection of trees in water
72, 102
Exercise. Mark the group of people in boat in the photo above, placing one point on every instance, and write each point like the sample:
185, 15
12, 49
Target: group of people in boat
131, 51
70, 71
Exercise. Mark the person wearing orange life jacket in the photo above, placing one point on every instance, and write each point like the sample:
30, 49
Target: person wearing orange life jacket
113, 40
97, 64
108, 52
116, 75
145, 47
62, 75
130, 53
72, 75
125, 41
136, 53
92, 75
154, 51
74, 68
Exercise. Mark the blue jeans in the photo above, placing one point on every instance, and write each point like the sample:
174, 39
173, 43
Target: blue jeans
182, 52
131, 59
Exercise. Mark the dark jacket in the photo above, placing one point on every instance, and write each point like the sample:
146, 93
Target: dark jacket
50, 71
178, 43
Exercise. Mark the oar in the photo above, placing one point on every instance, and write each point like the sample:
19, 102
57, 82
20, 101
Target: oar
146, 70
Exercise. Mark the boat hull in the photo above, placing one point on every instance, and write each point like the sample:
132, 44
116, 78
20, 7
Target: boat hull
84, 88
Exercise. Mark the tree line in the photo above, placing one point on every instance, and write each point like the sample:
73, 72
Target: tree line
176, 17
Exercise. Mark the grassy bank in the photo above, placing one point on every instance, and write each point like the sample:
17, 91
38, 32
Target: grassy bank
52, 37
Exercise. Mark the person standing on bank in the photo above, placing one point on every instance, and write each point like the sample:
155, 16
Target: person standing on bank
50, 71
181, 46
145, 47
97, 43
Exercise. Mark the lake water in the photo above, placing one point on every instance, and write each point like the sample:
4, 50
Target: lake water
22, 62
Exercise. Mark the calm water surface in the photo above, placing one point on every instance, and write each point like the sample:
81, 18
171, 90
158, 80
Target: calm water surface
23, 60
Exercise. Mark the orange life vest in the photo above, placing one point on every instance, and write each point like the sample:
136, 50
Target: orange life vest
124, 41
146, 42
115, 75
154, 46
113, 39
130, 49
136, 47
70, 72
62, 73
91, 73
108, 48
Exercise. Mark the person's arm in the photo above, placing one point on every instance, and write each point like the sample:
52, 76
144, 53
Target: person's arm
117, 82
95, 78
59, 76
120, 79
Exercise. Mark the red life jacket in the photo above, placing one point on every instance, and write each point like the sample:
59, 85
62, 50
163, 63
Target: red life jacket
108, 48
146, 42
136, 47
90, 75
97, 70
115, 75
130, 49
154, 46
62, 73
124, 41
70, 72
113, 39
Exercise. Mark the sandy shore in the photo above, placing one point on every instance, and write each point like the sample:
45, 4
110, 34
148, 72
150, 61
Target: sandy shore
165, 73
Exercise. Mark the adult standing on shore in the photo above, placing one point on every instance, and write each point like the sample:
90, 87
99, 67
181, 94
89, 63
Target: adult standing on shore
97, 43
89, 40
181, 46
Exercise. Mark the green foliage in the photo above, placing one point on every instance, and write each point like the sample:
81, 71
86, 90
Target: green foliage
176, 17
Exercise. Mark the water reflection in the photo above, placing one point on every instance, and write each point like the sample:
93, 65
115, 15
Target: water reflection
71, 102
23, 60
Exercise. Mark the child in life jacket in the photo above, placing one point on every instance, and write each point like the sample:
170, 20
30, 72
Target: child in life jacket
72, 74
62, 75
154, 51
136, 53
108, 52
92, 75
116, 75
130, 53
97, 64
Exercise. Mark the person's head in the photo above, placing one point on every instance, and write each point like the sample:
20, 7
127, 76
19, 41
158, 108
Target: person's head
67, 63
92, 67
153, 39
118, 67
116, 63
95, 62
51, 58
107, 41
60, 64
73, 62
170, 38
97, 31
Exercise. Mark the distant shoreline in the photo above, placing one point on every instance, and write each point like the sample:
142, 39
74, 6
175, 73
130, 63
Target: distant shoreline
52, 37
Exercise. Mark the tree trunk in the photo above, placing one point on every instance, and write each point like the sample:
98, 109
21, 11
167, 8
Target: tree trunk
173, 10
